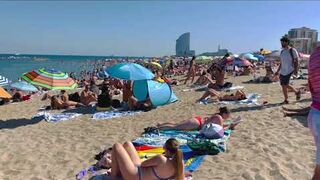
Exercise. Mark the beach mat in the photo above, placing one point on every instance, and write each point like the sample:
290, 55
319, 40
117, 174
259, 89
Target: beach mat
112, 114
55, 118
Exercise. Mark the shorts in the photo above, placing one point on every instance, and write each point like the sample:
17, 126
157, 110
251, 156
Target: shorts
285, 79
314, 126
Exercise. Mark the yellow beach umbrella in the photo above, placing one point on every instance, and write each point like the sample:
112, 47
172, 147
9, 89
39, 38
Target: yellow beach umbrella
4, 93
265, 52
156, 64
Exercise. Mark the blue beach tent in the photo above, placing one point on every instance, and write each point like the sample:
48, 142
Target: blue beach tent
159, 93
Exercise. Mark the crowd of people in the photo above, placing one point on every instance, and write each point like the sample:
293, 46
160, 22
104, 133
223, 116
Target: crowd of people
103, 91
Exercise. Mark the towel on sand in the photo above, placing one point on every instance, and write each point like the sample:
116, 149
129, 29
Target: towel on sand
112, 114
151, 144
205, 87
54, 118
252, 99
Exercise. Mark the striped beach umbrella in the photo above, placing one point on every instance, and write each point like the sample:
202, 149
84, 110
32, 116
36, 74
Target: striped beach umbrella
50, 78
3, 81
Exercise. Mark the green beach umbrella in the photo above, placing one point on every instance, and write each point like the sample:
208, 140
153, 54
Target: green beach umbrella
50, 79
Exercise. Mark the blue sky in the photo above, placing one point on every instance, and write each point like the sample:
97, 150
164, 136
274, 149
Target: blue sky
148, 28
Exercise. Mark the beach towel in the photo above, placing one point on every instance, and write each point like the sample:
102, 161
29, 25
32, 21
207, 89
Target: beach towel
113, 114
151, 144
54, 118
252, 99
205, 88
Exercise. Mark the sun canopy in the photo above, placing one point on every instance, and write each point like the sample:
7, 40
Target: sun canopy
129, 71
24, 86
241, 62
50, 78
249, 56
4, 94
159, 93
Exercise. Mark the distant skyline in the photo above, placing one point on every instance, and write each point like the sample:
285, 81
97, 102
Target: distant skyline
142, 28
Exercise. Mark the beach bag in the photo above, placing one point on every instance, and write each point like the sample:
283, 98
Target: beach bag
204, 146
212, 131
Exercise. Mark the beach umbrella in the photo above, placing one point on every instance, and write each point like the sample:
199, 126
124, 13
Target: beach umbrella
156, 65
4, 93
200, 58
274, 54
24, 86
3, 81
50, 79
241, 62
129, 71
260, 57
249, 56
265, 52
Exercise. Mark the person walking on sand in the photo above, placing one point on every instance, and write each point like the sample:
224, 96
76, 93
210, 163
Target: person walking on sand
314, 114
288, 66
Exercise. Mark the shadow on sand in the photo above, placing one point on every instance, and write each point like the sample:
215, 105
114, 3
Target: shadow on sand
15, 123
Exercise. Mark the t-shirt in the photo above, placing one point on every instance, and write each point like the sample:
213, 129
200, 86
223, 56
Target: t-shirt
287, 66
314, 78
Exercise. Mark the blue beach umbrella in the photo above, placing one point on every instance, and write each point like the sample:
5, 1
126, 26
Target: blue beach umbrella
260, 57
24, 86
129, 71
3, 81
250, 56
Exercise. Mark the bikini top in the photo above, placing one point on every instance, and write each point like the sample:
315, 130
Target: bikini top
159, 178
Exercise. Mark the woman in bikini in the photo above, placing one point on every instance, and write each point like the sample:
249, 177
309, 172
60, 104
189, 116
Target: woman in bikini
192, 70
197, 122
239, 95
126, 163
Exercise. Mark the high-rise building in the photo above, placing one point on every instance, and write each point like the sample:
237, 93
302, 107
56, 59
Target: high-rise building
183, 45
304, 39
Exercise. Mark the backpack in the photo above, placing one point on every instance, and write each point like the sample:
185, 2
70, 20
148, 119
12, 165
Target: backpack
295, 63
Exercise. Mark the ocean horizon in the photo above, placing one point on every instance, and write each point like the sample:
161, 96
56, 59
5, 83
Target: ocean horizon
13, 66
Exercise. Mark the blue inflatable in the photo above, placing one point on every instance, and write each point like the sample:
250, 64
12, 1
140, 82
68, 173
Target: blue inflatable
159, 93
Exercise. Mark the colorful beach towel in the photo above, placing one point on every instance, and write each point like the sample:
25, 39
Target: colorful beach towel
54, 118
113, 114
151, 144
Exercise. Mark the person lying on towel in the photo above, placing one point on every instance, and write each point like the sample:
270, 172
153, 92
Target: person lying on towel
238, 96
199, 123
126, 163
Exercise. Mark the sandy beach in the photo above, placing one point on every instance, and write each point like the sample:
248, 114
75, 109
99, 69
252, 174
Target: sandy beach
264, 146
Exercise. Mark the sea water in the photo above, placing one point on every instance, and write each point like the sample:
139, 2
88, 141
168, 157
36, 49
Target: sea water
13, 66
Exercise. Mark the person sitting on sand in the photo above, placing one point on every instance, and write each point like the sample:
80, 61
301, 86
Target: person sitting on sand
127, 164
197, 122
87, 96
296, 112
239, 95
104, 99
135, 105
57, 103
